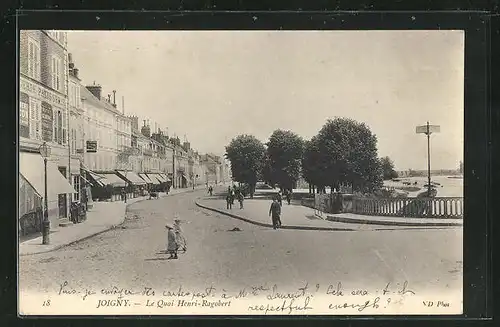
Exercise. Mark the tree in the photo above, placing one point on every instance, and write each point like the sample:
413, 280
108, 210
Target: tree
311, 165
246, 154
461, 167
387, 166
284, 154
348, 154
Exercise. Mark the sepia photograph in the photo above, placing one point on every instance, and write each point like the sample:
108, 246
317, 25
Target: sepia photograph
240, 172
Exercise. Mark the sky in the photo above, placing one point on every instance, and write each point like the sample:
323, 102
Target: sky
214, 85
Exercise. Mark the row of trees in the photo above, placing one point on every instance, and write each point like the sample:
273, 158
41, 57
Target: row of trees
343, 152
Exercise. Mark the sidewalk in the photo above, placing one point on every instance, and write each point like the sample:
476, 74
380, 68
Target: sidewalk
102, 217
299, 217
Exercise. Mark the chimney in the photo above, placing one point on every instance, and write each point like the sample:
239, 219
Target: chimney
109, 98
146, 131
75, 72
71, 64
114, 98
95, 90
123, 104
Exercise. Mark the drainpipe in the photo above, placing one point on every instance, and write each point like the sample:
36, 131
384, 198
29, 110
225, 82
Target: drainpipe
68, 129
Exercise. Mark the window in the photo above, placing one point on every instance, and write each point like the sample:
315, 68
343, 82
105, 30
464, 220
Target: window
76, 185
60, 127
33, 59
78, 99
55, 72
73, 141
65, 135
35, 119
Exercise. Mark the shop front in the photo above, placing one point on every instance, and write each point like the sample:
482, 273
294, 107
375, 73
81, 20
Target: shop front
31, 168
110, 187
136, 185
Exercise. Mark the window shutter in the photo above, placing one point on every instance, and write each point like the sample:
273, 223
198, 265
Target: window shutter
36, 62
52, 71
58, 72
30, 59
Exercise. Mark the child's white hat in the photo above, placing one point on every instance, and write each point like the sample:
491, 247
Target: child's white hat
169, 226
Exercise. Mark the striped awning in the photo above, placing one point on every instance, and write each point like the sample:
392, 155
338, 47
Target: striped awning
165, 177
132, 177
146, 178
113, 180
159, 177
153, 179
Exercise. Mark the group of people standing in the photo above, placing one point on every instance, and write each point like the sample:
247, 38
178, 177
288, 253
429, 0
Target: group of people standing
176, 242
232, 194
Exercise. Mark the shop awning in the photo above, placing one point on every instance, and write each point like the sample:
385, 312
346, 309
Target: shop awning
31, 166
99, 179
161, 178
156, 177
165, 177
146, 178
113, 180
132, 177
153, 179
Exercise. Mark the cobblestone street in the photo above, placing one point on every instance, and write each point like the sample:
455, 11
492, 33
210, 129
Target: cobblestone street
129, 255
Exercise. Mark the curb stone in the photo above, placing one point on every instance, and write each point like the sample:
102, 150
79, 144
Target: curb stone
336, 219
388, 223
270, 225
107, 228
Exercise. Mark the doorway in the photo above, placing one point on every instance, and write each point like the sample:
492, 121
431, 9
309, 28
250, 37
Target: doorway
62, 198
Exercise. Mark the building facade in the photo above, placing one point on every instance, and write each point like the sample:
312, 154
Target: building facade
44, 118
100, 125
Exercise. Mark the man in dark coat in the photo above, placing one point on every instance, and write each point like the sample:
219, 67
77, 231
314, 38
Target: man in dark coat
288, 195
275, 212
279, 198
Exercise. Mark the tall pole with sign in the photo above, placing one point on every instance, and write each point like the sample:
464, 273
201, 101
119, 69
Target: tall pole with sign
428, 130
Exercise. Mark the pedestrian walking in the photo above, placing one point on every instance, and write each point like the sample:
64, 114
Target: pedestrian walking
241, 198
210, 190
288, 196
172, 245
179, 235
275, 212
229, 201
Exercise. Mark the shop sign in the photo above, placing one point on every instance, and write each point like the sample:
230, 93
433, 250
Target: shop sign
42, 92
24, 129
91, 146
47, 119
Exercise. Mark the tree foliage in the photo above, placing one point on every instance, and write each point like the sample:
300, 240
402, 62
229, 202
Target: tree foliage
246, 154
283, 160
344, 151
387, 166
311, 164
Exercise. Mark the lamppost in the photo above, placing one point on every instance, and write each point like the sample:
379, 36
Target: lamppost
428, 130
45, 153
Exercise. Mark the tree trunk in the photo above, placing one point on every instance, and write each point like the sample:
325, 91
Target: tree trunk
252, 190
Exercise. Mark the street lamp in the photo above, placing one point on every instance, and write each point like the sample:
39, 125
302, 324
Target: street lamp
428, 130
45, 153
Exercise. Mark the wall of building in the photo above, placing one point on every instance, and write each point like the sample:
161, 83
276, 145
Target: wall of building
43, 107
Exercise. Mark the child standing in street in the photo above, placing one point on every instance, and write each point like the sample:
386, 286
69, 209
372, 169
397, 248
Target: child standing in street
172, 245
179, 235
